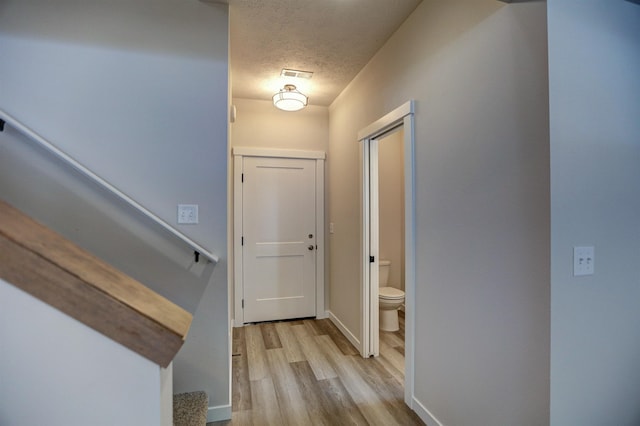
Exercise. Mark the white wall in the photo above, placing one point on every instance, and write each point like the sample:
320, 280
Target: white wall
478, 72
594, 64
137, 92
260, 124
126, 96
55, 370
49, 191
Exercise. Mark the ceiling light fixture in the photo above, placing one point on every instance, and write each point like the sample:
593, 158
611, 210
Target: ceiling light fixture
289, 99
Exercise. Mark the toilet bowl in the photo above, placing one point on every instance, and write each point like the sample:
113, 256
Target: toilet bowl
389, 300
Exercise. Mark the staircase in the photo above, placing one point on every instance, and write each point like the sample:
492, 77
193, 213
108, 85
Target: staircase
190, 409
77, 334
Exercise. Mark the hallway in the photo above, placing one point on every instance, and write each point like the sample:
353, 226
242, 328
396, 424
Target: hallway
306, 372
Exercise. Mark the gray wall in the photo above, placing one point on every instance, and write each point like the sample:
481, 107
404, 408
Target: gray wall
137, 92
58, 371
594, 69
478, 72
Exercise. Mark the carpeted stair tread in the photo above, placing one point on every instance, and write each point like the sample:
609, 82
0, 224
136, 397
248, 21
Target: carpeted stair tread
190, 409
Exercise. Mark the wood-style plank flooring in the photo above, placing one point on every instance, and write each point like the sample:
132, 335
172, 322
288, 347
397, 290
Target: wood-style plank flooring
306, 372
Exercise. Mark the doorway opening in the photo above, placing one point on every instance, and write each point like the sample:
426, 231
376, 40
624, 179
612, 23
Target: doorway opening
402, 118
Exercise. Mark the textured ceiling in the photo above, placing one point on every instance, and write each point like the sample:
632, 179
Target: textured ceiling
332, 38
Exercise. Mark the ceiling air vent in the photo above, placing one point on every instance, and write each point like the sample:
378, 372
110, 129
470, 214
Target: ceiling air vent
296, 73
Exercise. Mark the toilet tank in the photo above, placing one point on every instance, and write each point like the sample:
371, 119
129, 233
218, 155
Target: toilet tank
383, 271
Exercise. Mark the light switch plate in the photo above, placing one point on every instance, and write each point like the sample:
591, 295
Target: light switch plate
187, 214
583, 261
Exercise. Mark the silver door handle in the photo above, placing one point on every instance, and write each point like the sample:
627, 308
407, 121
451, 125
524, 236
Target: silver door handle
310, 247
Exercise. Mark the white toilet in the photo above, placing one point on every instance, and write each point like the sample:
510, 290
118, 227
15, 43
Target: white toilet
390, 299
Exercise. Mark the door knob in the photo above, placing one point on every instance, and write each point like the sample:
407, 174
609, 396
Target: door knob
310, 247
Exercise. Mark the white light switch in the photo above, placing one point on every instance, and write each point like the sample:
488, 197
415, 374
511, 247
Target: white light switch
331, 227
583, 261
187, 213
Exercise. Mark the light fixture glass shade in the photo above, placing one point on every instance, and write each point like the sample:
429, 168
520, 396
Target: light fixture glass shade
289, 99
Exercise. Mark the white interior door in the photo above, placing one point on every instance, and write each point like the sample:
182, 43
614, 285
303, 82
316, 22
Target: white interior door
278, 238
369, 343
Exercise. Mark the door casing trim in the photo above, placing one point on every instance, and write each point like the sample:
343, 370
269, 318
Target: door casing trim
401, 116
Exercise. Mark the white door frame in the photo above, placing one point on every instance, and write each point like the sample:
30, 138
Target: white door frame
369, 343
238, 154
401, 116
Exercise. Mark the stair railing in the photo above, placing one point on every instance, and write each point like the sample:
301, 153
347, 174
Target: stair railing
16, 124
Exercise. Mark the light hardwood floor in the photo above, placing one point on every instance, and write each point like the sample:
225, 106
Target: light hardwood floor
306, 372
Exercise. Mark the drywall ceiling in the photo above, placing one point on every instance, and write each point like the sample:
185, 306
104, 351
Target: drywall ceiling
332, 38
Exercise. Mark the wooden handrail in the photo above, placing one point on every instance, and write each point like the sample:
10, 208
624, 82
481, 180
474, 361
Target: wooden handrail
63, 275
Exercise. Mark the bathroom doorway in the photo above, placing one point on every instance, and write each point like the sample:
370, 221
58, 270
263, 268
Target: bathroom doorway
402, 118
391, 250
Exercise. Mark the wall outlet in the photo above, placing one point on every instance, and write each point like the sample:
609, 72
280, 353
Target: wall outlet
583, 261
187, 214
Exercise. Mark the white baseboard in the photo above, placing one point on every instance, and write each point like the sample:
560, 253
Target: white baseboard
221, 412
424, 414
347, 333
